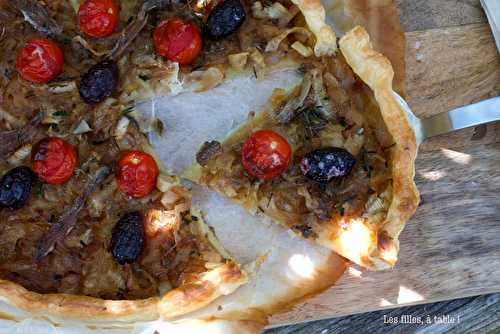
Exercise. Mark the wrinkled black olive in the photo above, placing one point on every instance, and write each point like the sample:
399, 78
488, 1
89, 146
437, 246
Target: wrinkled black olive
99, 82
15, 187
225, 19
127, 238
325, 164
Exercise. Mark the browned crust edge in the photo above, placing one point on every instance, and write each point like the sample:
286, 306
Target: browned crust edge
376, 71
187, 298
314, 13
215, 283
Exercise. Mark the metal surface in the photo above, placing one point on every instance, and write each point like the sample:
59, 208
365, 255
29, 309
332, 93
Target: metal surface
492, 10
460, 118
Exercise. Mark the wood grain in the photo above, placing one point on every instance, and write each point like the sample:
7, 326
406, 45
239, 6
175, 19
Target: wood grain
425, 14
450, 67
479, 314
451, 248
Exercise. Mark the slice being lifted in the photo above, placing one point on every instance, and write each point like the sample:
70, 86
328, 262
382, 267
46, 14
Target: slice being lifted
333, 159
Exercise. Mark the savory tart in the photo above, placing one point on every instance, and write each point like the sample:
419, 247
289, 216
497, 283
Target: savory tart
93, 227
91, 224
333, 159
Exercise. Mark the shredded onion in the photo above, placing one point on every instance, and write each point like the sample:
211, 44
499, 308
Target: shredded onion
20, 154
238, 60
274, 43
205, 80
83, 127
304, 51
258, 63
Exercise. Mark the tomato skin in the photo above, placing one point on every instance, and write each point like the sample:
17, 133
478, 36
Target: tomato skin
177, 40
98, 18
40, 60
137, 173
54, 160
266, 154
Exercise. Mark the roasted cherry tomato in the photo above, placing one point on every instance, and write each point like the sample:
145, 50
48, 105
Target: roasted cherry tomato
266, 154
98, 18
40, 60
177, 40
54, 160
137, 173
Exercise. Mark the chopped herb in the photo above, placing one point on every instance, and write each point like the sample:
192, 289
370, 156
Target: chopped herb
302, 69
99, 141
29, 94
342, 122
60, 113
185, 220
305, 230
40, 191
313, 120
59, 83
270, 198
63, 78
388, 147
127, 110
342, 211
54, 127
366, 164
158, 127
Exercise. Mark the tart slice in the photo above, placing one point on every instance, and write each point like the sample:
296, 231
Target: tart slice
333, 159
105, 240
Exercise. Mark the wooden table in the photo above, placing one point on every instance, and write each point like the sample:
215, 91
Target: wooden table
451, 61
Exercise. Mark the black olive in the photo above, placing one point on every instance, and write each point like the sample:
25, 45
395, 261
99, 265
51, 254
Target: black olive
225, 19
325, 164
127, 238
99, 82
15, 187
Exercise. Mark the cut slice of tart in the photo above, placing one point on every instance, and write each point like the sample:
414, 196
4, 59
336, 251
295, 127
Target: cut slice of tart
92, 247
333, 159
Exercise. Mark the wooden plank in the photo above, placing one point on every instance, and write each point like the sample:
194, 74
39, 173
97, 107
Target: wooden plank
451, 67
479, 314
451, 248
424, 14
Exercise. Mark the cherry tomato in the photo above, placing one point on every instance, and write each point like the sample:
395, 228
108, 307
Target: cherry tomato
137, 173
98, 18
266, 154
40, 60
54, 160
177, 40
